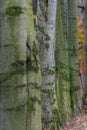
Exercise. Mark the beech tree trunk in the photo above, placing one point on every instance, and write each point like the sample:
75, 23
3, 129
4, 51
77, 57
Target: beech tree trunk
33, 76
62, 63
19, 72
46, 36
85, 49
73, 56
13, 82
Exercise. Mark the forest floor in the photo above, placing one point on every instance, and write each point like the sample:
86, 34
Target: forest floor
77, 123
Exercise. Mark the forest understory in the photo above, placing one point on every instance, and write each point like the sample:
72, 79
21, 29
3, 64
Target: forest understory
77, 123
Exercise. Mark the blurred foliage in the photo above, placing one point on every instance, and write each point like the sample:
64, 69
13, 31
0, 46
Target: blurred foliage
81, 44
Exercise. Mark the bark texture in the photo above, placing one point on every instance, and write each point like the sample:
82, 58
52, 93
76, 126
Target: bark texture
62, 63
46, 37
73, 56
33, 76
13, 35
85, 48
19, 68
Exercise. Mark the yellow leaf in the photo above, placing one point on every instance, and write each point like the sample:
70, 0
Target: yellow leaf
34, 16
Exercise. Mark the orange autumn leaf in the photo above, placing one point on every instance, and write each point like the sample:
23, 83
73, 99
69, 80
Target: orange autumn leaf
81, 68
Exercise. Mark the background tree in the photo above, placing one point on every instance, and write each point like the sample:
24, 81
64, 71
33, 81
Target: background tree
67, 75
85, 49
46, 36
73, 56
62, 62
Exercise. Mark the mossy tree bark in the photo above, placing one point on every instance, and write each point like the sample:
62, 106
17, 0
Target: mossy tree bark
19, 82
13, 36
67, 75
46, 37
33, 76
62, 63
85, 49
73, 56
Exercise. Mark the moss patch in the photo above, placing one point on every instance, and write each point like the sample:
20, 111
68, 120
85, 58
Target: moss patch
14, 11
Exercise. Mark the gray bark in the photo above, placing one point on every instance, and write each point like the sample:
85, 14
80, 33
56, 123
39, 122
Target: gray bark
33, 76
85, 49
62, 62
73, 56
13, 36
46, 37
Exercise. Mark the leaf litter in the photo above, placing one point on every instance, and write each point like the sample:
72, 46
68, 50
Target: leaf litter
77, 123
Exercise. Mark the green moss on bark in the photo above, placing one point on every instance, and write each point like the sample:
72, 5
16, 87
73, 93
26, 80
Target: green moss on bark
14, 11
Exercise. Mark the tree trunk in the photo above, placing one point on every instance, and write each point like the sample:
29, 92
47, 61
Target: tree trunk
33, 77
19, 83
13, 36
85, 49
62, 63
73, 56
46, 37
